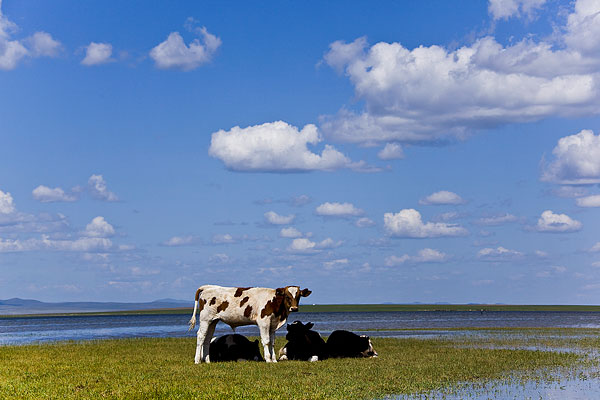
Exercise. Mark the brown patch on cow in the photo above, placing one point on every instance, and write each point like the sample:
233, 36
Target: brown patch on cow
248, 311
244, 300
212, 301
275, 305
201, 304
223, 306
239, 291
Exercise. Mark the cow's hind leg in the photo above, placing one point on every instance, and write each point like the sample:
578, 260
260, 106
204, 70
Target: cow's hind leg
204, 335
207, 338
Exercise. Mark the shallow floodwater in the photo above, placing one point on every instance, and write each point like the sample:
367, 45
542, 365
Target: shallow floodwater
16, 331
562, 389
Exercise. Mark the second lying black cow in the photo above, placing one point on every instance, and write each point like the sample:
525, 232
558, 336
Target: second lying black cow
347, 344
234, 347
303, 344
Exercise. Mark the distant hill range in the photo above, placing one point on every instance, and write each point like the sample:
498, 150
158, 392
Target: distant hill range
18, 306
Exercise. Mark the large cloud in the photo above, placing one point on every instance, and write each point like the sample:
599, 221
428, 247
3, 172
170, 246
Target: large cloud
40, 44
275, 147
174, 53
576, 160
431, 93
408, 223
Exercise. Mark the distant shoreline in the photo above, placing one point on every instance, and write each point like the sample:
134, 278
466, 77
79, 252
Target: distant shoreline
344, 308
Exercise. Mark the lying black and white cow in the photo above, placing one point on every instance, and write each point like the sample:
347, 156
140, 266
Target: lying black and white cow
347, 344
303, 344
234, 347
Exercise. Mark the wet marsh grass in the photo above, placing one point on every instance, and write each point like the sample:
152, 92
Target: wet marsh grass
162, 368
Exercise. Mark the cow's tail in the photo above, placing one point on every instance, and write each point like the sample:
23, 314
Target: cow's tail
192, 322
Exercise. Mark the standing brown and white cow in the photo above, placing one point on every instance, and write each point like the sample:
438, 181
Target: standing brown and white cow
267, 308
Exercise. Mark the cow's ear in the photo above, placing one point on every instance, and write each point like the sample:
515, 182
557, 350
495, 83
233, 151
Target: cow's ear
279, 291
309, 325
305, 292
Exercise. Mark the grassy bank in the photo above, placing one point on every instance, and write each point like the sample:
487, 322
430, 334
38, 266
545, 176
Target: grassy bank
354, 308
163, 369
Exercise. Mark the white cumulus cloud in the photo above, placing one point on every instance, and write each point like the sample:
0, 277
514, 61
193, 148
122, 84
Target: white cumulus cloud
12, 51
408, 223
99, 228
442, 197
176, 241
275, 219
85, 244
504, 9
99, 189
364, 222
338, 210
426, 255
174, 53
290, 232
391, 151
498, 254
477, 86
589, 201
275, 147
7, 205
48, 195
304, 245
551, 222
97, 53
576, 160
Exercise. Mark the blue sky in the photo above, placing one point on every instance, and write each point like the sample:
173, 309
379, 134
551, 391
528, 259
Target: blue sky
390, 152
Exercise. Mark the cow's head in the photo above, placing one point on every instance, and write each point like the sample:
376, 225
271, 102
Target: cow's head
366, 344
291, 296
297, 330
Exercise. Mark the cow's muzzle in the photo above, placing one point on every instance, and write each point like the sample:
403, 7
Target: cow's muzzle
293, 309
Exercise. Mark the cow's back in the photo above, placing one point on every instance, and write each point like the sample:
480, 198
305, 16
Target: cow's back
236, 306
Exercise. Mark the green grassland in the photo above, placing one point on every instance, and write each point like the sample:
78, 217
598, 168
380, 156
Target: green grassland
355, 308
163, 368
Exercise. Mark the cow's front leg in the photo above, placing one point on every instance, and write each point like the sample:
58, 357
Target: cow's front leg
265, 338
272, 343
